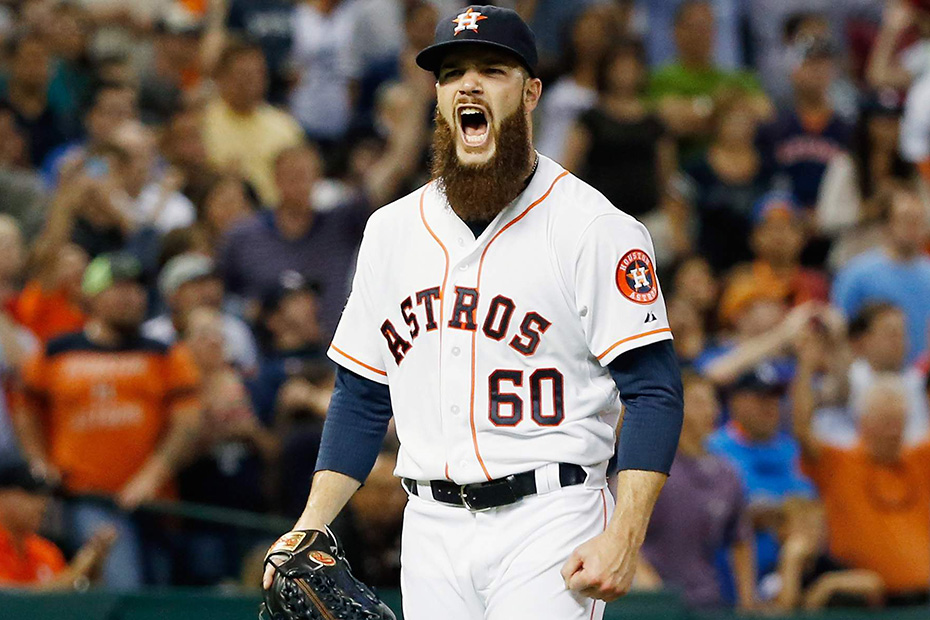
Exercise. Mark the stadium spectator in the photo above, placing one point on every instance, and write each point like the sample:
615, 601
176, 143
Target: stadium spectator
777, 239
231, 454
763, 329
879, 338
317, 245
685, 91
51, 304
903, 269
875, 487
16, 342
803, 140
702, 510
174, 67
190, 281
805, 26
915, 144
726, 34
619, 146
890, 66
26, 94
327, 69
89, 209
270, 23
242, 132
694, 283
29, 561
856, 187
72, 83
149, 196
767, 459
112, 106
21, 191
692, 308
691, 335
182, 145
770, 29
725, 183
111, 412
226, 202
295, 351
575, 92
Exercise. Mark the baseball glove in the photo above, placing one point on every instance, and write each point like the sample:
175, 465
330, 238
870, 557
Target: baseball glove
312, 581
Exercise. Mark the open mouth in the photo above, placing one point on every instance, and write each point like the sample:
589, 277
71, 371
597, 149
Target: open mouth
474, 125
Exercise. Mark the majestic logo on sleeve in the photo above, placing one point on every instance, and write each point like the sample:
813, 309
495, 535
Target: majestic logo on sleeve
636, 277
467, 21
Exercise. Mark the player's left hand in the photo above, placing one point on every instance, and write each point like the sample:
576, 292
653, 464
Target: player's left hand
603, 568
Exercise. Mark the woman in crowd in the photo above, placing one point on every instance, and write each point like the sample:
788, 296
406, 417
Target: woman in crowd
620, 146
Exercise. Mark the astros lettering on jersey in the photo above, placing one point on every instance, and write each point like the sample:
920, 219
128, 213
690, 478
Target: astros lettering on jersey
495, 348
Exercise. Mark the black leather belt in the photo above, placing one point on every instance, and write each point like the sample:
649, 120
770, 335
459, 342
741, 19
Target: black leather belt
494, 493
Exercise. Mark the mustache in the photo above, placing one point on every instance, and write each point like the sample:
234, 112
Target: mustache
471, 100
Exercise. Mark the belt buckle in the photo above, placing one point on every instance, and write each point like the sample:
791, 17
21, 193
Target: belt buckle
463, 495
502, 488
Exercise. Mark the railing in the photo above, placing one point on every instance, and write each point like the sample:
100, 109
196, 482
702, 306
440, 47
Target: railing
214, 604
185, 604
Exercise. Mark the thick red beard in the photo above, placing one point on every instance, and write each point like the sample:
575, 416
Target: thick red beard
477, 193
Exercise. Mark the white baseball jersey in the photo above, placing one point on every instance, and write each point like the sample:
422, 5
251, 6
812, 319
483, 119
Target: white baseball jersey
495, 348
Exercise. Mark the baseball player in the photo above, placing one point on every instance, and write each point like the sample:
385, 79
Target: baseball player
498, 313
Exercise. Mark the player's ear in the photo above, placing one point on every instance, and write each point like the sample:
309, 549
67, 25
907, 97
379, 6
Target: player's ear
532, 90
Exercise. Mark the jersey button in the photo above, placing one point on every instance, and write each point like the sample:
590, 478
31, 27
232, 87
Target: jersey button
464, 267
454, 409
456, 351
461, 242
463, 464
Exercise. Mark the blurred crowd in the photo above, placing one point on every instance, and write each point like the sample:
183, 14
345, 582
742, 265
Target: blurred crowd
184, 183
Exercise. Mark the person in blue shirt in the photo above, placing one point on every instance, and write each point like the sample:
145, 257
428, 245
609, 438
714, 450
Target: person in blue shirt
896, 272
767, 459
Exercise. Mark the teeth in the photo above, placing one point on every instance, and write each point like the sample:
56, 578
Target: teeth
470, 111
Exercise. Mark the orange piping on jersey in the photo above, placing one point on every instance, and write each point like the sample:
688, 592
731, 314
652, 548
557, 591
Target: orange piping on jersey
471, 413
619, 342
360, 363
442, 289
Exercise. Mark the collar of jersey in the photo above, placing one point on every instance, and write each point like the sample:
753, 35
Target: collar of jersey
541, 178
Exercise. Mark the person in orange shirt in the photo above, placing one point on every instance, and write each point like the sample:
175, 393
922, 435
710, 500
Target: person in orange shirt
112, 412
28, 560
50, 305
876, 493
778, 237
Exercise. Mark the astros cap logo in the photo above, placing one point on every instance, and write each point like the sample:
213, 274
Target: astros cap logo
636, 278
467, 21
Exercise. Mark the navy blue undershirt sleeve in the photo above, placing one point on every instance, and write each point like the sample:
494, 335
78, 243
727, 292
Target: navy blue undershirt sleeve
356, 422
649, 381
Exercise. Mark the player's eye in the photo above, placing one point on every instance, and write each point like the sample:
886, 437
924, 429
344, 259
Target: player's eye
449, 74
494, 71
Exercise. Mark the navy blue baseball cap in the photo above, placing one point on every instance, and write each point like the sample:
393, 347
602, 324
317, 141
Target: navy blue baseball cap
763, 379
491, 26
